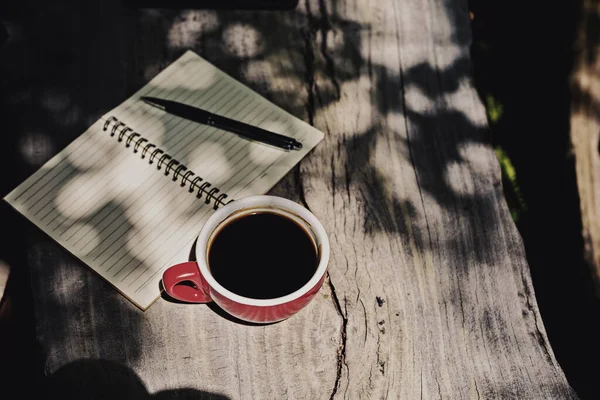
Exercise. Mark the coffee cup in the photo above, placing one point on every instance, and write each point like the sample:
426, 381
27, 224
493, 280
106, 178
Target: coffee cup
260, 258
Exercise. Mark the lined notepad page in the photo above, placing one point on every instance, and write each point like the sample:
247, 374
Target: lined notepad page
123, 217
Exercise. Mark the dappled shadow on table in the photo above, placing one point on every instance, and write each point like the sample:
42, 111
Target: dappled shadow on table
100, 379
85, 47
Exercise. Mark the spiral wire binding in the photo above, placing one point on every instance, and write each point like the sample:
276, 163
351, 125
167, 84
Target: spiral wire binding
162, 159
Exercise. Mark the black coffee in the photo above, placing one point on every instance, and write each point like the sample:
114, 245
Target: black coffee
262, 256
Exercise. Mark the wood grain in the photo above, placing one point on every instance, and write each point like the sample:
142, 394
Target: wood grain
431, 273
428, 295
585, 134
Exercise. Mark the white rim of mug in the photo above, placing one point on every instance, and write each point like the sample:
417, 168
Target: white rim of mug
247, 203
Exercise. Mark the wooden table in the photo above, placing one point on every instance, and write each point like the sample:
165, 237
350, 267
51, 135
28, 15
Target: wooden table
428, 295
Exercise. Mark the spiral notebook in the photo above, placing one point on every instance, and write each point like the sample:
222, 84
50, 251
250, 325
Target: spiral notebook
129, 196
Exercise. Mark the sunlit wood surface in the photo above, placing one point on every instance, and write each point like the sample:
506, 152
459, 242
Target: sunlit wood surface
585, 138
428, 295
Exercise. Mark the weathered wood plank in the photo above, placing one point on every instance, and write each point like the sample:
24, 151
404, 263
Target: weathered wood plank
428, 267
585, 138
429, 294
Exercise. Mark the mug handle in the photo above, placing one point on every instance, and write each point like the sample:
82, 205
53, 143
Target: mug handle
177, 279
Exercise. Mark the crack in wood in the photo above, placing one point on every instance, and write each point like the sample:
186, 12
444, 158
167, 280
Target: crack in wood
325, 28
538, 333
309, 61
366, 322
341, 359
476, 389
321, 25
439, 387
421, 382
333, 183
460, 300
347, 170
409, 142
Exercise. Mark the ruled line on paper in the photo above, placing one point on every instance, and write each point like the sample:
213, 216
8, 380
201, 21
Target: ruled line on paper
107, 179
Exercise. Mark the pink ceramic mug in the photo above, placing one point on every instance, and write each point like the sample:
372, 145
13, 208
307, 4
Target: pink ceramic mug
204, 288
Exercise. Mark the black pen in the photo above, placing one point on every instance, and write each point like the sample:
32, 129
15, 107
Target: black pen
227, 124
